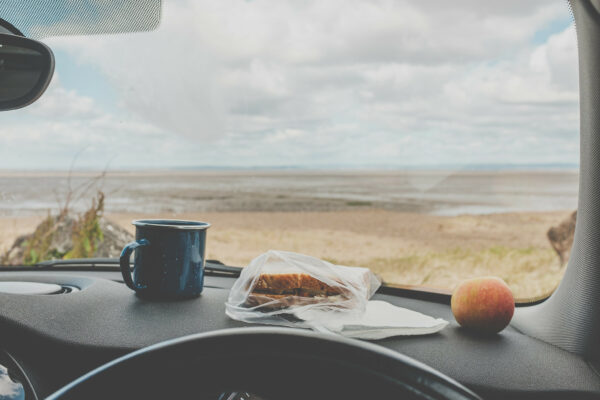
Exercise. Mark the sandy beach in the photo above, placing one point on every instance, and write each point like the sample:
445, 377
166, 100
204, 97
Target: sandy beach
403, 248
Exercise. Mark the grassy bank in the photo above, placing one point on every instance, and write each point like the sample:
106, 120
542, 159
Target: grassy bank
530, 272
403, 248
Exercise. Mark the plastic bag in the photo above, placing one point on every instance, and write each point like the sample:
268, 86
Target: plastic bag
291, 289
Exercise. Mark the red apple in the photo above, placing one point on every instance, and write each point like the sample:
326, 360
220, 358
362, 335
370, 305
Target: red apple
485, 305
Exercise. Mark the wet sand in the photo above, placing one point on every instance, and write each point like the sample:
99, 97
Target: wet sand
424, 192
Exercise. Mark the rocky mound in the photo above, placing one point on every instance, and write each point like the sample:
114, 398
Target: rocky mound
59, 237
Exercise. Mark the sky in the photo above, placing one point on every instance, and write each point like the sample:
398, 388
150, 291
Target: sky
312, 84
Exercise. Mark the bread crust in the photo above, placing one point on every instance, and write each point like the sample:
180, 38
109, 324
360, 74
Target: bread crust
297, 283
275, 291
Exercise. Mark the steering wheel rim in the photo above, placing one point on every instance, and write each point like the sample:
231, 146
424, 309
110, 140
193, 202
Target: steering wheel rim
271, 362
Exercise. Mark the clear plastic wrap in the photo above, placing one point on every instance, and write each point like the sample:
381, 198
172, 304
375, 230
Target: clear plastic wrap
291, 289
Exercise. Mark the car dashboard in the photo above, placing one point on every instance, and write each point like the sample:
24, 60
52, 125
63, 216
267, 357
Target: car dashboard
49, 340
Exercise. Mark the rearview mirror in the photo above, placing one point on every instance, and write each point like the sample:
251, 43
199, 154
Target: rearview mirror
26, 68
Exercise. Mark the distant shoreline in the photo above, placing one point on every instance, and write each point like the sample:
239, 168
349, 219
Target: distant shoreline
429, 192
551, 167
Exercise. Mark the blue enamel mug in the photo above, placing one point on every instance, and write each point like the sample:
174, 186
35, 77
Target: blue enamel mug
168, 260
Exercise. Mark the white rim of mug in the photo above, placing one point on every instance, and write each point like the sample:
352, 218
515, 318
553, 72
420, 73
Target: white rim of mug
186, 225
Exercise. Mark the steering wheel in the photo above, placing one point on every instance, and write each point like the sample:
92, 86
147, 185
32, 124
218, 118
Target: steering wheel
273, 363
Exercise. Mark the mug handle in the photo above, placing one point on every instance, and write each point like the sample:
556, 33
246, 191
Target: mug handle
124, 262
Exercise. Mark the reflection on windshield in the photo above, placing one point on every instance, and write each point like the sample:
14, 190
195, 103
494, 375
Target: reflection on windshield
9, 389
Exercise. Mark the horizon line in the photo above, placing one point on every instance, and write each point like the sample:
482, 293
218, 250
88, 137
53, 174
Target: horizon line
340, 167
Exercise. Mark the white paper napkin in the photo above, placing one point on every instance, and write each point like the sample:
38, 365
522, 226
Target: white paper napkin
381, 320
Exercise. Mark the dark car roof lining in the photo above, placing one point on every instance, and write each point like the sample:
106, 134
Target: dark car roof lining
56, 338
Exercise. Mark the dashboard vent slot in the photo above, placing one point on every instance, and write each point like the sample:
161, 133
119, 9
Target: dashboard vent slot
67, 289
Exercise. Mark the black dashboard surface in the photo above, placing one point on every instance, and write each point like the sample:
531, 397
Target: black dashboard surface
57, 338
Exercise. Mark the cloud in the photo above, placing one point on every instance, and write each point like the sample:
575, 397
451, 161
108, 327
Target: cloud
336, 82
49, 133
60, 103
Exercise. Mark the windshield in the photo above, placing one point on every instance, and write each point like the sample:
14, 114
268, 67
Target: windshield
428, 143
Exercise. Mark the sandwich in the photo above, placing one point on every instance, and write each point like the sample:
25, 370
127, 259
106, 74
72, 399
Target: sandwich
281, 290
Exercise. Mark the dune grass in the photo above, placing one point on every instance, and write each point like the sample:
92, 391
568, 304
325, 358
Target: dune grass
530, 272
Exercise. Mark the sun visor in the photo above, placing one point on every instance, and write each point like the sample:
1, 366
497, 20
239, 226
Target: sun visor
42, 18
